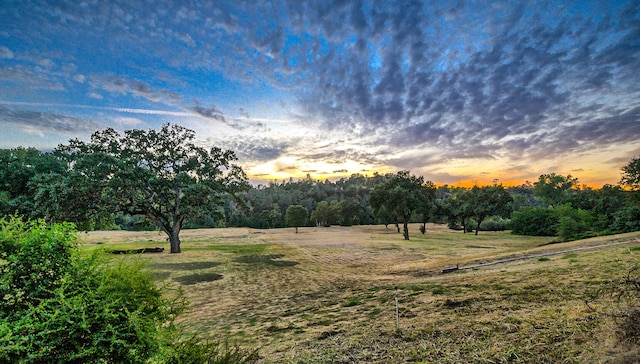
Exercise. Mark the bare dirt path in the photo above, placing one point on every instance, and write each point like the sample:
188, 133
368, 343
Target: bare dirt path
612, 243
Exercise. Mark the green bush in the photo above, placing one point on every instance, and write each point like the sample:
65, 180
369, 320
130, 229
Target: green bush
627, 219
494, 223
536, 221
57, 307
564, 221
573, 223
195, 350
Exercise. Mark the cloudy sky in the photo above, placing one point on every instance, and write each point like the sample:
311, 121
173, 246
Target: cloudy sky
456, 91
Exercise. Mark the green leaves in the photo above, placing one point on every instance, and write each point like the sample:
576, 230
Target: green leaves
401, 195
160, 174
554, 189
631, 174
296, 216
58, 307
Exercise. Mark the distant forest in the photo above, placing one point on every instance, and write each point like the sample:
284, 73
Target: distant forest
555, 205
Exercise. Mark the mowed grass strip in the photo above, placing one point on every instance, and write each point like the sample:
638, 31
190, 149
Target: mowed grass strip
337, 303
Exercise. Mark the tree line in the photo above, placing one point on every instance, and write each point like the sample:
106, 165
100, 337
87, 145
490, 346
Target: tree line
160, 179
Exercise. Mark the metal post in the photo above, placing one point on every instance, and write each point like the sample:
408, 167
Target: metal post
397, 316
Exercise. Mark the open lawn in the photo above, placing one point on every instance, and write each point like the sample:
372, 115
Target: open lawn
327, 295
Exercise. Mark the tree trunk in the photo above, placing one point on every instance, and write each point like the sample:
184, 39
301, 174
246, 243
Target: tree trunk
406, 230
398, 227
478, 226
174, 241
174, 236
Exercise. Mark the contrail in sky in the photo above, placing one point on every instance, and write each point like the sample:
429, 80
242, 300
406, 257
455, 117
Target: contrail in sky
119, 109
135, 111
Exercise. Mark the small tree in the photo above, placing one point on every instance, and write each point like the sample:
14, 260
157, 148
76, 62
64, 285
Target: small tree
296, 216
489, 201
427, 208
458, 210
322, 214
401, 194
631, 174
350, 211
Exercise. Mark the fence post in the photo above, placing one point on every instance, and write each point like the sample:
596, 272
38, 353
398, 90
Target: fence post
397, 315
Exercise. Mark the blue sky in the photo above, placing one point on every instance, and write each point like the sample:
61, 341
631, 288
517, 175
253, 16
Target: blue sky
456, 91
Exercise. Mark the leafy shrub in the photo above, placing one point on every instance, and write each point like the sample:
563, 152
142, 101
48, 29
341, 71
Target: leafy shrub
573, 223
494, 223
563, 221
627, 219
194, 349
57, 307
470, 224
536, 221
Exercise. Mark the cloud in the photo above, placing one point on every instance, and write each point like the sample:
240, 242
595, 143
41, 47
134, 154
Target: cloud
122, 85
208, 111
456, 80
29, 78
5, 52
244, 113
285, 168
495, 91
127, 122
43, 121
254, 149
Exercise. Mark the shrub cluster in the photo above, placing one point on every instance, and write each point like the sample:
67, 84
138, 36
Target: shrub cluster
564, 221
58, 306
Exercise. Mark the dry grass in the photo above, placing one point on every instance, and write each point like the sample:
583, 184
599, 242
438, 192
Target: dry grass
326, 295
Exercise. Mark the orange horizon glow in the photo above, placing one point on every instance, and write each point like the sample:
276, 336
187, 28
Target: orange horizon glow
468, 183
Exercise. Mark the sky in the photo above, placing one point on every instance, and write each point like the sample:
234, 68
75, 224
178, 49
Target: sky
460, 92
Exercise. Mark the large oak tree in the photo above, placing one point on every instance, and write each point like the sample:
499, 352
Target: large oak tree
161, 174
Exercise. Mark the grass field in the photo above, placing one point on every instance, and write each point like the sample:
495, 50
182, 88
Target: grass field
327, 295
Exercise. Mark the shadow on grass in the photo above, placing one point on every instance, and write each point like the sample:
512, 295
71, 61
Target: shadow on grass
184, 266
265, 259
198, 278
